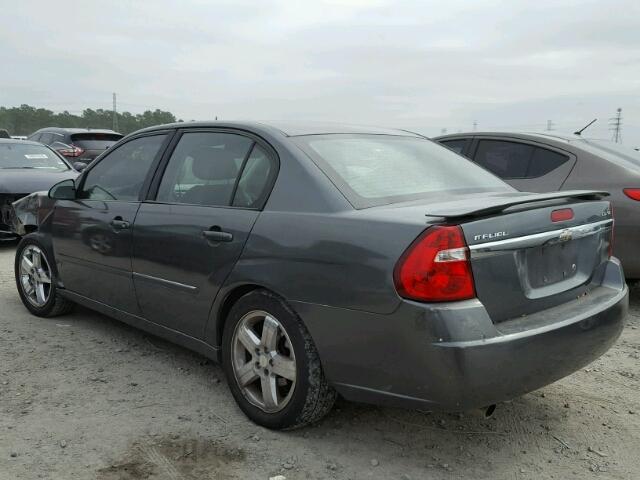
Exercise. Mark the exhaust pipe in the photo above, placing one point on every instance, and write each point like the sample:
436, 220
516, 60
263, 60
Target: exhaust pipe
484, 412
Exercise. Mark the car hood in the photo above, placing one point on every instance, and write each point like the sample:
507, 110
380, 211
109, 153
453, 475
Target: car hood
31, 180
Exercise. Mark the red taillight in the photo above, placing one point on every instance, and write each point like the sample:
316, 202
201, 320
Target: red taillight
562, 215
632, 193
73, 151
436, 267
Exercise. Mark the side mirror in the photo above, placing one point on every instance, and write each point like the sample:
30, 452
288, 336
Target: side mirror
79, 166
64, 190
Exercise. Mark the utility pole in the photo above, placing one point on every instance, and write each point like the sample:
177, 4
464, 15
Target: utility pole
549, 125
115, 114
475, 125
616, 125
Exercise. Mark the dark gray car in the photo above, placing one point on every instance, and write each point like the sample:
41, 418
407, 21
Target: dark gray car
316, 260
26, 167
79, 145
534, 162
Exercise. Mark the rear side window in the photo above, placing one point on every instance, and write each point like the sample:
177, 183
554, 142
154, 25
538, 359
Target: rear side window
256, 177
512, 160
545, 161
203, 169
505, 159
456, 145
381, 169
121, 173
95, 141
47, 138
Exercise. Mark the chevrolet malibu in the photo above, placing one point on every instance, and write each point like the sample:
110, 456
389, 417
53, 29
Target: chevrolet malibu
316, 260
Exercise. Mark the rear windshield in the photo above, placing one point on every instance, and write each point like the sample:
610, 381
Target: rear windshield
95, 141
381, 169
20, 155
612, 151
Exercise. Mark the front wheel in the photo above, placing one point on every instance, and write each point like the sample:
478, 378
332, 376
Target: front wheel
35, 280
272, 365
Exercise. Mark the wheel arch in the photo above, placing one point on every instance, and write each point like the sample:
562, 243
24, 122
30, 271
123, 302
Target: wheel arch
45, 241
221, 308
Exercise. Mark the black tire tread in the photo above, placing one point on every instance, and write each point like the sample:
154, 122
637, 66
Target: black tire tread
320, 395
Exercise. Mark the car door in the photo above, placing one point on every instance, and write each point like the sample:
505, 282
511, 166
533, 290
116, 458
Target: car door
191, 231
526, 166
92, 236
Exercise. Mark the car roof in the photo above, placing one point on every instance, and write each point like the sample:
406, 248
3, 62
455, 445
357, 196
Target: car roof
76, 130
19, 142
563, 137
289, 129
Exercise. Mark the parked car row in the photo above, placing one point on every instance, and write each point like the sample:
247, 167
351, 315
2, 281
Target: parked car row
551, 162
316, 260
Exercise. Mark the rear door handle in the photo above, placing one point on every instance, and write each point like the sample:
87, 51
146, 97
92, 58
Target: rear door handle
215, 234
119, 224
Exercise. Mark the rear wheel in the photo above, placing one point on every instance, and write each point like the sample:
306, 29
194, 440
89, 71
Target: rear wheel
35, 281
272, 365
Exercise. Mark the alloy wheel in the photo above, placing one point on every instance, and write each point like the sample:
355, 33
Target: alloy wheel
35, 276
263, 361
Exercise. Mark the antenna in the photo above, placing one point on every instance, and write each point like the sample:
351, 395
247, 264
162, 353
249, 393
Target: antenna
579, 132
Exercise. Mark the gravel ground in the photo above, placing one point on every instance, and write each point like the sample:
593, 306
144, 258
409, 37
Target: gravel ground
85, 397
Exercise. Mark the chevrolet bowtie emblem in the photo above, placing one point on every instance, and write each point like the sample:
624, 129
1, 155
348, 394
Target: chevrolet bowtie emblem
565, 236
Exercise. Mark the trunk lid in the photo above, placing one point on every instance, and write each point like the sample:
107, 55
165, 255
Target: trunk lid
523, 262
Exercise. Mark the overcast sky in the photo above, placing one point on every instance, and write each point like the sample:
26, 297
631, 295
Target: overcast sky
414, 64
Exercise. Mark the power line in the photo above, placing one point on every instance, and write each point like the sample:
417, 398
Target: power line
616, 125
115, 114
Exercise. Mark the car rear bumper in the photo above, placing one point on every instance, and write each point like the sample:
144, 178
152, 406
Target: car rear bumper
452, 357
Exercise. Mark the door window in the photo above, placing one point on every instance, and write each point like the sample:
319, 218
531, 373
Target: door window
121, 173
204, 168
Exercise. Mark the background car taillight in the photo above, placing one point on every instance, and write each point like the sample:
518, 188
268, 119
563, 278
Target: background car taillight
632, 193
72, 151
436, 267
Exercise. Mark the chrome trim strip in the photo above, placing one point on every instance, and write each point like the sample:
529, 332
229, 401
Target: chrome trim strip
166, 283
537, 239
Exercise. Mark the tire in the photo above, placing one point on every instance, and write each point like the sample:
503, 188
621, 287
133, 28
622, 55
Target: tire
305, 396
49, 303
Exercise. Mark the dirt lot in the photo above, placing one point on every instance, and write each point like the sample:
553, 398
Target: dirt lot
83, 397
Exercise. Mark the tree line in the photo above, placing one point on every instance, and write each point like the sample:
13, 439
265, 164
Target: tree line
25, 119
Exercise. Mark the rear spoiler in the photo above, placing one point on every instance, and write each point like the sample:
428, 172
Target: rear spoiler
483, 206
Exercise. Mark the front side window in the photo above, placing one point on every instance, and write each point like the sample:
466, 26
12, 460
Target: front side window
36, 157
203, 169
121, 174
381, 169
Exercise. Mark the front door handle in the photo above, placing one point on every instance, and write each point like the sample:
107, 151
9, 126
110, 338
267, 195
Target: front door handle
119, 224
215, 234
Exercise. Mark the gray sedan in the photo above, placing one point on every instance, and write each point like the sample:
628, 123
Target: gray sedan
536, 162
322, 260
